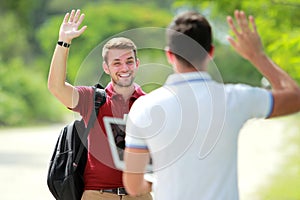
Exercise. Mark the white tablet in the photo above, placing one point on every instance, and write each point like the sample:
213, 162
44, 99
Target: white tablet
115, 129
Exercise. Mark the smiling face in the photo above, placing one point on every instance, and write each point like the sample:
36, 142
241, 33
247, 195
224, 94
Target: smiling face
121, 65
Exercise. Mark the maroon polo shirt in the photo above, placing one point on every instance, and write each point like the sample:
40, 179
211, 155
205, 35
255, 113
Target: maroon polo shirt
100, 171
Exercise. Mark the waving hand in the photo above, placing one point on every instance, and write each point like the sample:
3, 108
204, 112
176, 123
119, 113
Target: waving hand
247, 41
69, 28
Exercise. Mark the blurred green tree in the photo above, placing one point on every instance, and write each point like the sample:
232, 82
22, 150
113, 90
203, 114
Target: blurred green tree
104, 20
30, 29
278, 24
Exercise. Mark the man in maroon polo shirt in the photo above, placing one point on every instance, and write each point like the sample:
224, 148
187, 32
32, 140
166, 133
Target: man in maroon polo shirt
102, 179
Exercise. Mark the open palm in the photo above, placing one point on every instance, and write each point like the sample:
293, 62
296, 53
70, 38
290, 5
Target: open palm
69, 27
248, 43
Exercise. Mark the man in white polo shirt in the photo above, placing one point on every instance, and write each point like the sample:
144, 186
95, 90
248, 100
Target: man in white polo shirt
190, 126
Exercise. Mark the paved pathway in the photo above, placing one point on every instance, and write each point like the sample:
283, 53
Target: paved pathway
260, 154
25, 153
24, 157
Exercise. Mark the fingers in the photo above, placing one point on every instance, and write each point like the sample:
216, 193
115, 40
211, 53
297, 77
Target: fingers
251, 19
74, 17
247, 41
238, 18
71, 16
242, 21
82, 29
80, 19
70, 27
66, 17
232, 26
232, 42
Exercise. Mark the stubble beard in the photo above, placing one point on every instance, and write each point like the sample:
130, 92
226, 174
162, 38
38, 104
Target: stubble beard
123, 83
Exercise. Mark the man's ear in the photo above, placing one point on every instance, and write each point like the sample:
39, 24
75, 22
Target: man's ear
137, 62
170, 56
105, 67
212, 51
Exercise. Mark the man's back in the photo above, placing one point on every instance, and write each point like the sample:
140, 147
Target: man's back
190, 127
194, 124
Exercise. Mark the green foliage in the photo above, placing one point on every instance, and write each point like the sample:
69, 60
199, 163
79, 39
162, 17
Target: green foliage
30, 31
28, 47
153, 69
283, 51
14, 42
28, 12
285, 183
235, 69
103, 21
277, 22
24, 96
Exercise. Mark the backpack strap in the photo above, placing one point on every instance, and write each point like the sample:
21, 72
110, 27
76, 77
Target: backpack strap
99, 100
100, 96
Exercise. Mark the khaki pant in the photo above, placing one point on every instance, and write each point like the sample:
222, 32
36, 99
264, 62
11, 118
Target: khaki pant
97, 195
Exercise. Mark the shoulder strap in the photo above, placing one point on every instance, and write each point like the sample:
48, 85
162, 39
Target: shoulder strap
99, 100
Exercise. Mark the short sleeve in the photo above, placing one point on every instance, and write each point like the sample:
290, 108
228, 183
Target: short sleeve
136, 121
253, 102
85, 103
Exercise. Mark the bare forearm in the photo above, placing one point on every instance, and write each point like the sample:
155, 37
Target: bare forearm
277, 77
135, 184
133, 174
57, 73
63, 91
285, 91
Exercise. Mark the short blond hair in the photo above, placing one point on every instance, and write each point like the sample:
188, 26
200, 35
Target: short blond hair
118, 43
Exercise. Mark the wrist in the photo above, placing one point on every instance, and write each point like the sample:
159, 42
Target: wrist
63, 44
257, 57
64, 39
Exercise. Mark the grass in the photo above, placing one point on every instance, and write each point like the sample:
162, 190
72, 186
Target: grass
285, 183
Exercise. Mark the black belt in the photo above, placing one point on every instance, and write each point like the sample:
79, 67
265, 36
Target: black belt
118, 191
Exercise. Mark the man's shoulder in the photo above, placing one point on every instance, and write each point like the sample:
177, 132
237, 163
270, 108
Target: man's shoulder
138, 90
85, 93
84, 88
156, 96
244, 88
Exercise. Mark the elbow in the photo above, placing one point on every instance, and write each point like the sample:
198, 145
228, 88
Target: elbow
53, 87
50, 86
298, 99
286, 102
295, 100
51, 83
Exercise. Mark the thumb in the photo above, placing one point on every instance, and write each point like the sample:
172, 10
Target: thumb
232, 42
80, 31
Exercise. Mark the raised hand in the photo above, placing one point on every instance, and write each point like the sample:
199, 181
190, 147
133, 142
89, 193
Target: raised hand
247, 41
69, 28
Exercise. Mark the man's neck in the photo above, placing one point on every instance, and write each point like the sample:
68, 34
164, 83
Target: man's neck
186, 70
181, 67
126, 92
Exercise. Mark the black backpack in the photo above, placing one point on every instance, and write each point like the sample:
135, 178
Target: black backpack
67, 164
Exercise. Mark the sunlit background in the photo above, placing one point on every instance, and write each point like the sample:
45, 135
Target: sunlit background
30, 118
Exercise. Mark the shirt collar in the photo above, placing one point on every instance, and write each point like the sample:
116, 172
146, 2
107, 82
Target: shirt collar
136, 94
179, 78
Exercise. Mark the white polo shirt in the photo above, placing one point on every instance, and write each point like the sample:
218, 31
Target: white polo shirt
191, 126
